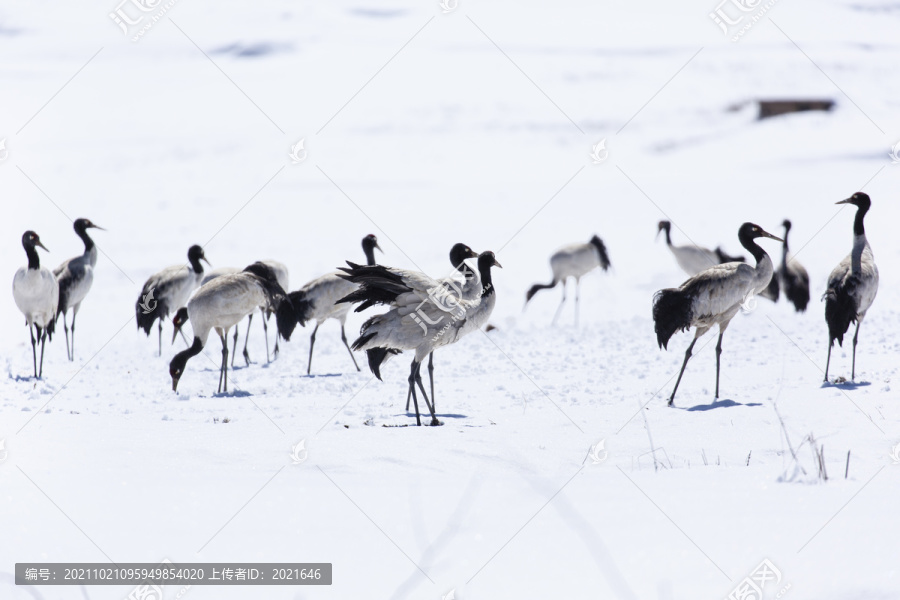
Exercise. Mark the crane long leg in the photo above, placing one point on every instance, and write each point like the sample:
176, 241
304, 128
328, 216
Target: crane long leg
33, 349
66, 330
266, 317
412, 390
687, 357
43, 336
855, 338
718, 361
828, 362
431, 379
434, 419
577, 290
234, 345
223, 370
262, 315
353, 358
160, 337
312, 342
74, 314
561, 302
247, 338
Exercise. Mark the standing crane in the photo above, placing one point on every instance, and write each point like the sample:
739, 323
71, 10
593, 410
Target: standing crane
575, 260
75, 277
168, 290
712, 297
417, 322
447, 294
36, 293
319, 297
852, 285
792, 276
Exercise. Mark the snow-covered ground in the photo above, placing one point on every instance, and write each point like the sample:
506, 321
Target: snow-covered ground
427, 128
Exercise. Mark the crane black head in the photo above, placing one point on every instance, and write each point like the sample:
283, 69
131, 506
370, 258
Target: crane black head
750, 232
787, 225
30, 239
195, 255
859, 199
369, 243
862, 202
81, 225
459, 253
667, 227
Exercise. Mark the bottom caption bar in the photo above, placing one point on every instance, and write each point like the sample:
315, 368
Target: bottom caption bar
169, 573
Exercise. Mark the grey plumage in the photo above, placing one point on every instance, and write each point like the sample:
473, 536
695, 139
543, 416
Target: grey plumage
712, 297
852, 285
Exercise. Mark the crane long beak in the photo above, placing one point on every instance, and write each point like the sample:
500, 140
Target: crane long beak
769, 235
379, 248
174, 384
38, 243
845, 201
497, 263
174, 335
203, 258
98, 227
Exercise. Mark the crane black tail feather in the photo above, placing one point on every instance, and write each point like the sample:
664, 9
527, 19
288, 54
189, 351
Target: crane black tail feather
840, 310
672, 312
377, 356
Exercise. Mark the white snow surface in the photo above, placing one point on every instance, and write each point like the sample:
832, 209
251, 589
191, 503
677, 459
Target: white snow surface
429, 128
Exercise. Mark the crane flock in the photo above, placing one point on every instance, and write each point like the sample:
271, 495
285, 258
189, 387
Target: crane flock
424, 313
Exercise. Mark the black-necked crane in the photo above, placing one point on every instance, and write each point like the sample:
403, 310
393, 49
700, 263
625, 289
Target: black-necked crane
36, 293
792, 276
169, 290
575, 260
712, 297
464, 284
223, 303
281, 273
320, 295
75, 277
692, 258
852, 285
417, 322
